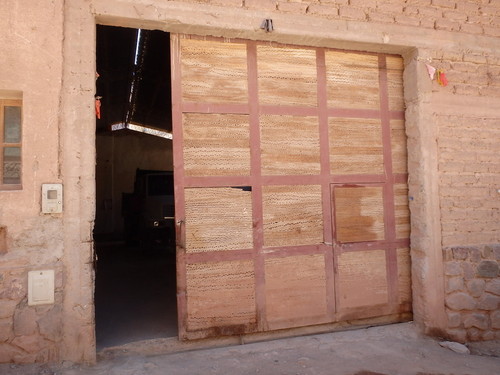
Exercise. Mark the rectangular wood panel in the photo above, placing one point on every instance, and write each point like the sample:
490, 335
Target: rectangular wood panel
398, 147
404, 276
295, 289
221, 296
395, 67
287, 75
218, 219
216, 144
289, 144
359, 213
401, 211
362, 278
352, 80
214, 71
355, 146
292, 215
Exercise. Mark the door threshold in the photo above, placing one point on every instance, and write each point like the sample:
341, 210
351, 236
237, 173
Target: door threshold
171, 345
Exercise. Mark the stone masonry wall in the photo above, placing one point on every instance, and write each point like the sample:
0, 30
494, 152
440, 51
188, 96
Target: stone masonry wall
473, 292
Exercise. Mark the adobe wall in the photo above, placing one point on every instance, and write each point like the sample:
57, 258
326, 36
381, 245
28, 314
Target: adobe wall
452, 140
31, 66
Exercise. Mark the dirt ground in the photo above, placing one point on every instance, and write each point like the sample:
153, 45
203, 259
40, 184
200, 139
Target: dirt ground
387, 350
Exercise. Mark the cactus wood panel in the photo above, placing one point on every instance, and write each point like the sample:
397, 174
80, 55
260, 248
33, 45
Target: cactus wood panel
216, 144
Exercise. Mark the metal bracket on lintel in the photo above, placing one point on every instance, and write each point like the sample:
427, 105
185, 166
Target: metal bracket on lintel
267, 25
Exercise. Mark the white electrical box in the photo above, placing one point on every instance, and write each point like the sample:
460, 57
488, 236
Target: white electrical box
52, 198
40, 287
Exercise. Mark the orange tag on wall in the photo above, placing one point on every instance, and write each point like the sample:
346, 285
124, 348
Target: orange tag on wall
441, 78
98, 108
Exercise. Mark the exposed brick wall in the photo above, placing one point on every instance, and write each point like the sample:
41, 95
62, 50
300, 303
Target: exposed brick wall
469, 178
469, 165
467, 16
473, 292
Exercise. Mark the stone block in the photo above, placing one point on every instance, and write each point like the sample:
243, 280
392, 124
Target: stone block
460, 301
5, 329
474, 334
476, 287
24, 358
7, 309
50, 324
477, 320
452, 269
454, 319
460, 253
489, 302
486, 252
488, 335
474, 254
8, 353
495, 319
493, 287
15, 288
25, 321
455, 284
496, 250
458, 335
30, 344
469, 271
487, 269
448, 254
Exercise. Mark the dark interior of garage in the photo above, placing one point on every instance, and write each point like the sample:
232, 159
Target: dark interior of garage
134, 237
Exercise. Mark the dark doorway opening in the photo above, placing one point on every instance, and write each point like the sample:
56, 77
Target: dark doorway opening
134, 236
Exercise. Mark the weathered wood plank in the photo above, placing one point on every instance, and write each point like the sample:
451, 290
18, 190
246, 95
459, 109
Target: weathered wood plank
359, 214
295, 288
290, 145
404, 276
352, 80
401, 211
221, 296
292, 215
218, 219
287, 75
213, 71
216, 144
395, 67
362, 278
398, 147
355, 146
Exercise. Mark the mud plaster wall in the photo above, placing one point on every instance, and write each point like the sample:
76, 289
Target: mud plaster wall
58, 98
31, 66
118, 157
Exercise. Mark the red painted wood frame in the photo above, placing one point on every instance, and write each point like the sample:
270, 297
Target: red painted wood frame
330, 248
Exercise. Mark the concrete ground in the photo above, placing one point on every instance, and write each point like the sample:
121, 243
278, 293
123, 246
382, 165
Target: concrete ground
389, 350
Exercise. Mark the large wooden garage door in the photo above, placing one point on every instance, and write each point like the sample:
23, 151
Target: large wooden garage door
290, 178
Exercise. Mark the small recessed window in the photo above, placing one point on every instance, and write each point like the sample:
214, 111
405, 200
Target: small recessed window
10, 144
